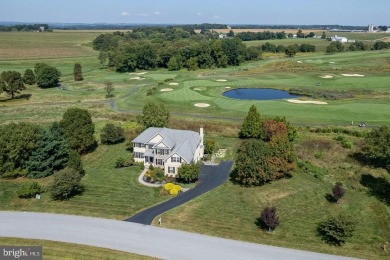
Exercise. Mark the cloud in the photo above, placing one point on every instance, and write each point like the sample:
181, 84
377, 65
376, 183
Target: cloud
217, 17
143, 14
199, 13
157, 13
125, 14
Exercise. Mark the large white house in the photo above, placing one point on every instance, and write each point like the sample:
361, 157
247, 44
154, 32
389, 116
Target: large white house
339, 39
168, 148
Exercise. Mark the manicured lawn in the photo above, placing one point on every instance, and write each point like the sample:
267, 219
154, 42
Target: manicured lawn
59, 250
231, 211
109, 192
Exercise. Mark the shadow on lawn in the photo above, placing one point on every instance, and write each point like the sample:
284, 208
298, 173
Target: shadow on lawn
377, 186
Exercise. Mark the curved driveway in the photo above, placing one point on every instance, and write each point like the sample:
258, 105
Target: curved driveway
211, 176
140, 239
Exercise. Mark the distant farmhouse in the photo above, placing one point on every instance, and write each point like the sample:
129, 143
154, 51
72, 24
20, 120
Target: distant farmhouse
339, 39
168, 148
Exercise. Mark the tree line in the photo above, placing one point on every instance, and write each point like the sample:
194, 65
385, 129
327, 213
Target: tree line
174, 50
356, 46
23, 27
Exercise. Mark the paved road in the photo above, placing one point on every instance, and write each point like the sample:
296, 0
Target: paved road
211, 176
140, 239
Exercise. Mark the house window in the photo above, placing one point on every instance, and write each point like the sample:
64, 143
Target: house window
171, 170
175, 159
159, 162
137, 145
138, 155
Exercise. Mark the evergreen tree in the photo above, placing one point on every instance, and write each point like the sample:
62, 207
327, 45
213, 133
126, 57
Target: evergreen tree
29, 77
51, 153
79, 129
77, 72
337, 229
253, 125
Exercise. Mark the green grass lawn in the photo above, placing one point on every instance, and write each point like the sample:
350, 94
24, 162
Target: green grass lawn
59, 250
109, 192
231, 211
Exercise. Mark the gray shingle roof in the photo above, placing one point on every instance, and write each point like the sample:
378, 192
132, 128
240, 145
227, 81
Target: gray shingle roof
182, 142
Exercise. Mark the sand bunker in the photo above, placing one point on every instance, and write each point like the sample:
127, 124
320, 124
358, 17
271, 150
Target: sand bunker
306, 102
137, 78
202, 105
326, 76
352, 75
299, 61
166, 89
227, 87
221, 80
173, 84
139, 73
331, 62
198, 89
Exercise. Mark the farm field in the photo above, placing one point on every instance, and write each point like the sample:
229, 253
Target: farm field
300, 200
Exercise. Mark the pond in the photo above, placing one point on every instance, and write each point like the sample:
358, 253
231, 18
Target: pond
258, 94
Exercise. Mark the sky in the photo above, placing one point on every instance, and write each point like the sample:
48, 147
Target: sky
295, 12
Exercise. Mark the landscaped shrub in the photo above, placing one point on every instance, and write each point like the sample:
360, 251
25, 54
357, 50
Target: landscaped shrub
177, 187
121, 162
168, 186
337, 229
173, 191
29, 190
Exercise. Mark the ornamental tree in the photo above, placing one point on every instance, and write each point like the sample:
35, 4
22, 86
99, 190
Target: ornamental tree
338, 192
269, 218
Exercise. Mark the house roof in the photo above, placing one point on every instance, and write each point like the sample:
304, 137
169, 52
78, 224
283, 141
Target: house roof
181, 142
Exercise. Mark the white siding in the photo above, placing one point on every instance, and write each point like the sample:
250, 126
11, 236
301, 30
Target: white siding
156, 139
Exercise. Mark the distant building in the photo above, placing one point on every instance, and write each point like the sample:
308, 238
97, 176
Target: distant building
42, 29
221, 36
339, 39
371, 28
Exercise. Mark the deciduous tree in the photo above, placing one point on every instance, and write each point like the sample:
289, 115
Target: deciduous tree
46, 76
377, 147
291, 50
109, 87
11, 83
112, 134
154, 115
79, 129
29, 77
77, 72
66, 184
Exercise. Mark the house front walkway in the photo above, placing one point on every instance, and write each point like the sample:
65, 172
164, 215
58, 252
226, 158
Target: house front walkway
141, 180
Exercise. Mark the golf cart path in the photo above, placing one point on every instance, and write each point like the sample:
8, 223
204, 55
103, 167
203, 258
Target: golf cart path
140, 239
211, 176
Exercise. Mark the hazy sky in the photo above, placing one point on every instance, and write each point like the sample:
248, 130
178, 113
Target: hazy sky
343, 12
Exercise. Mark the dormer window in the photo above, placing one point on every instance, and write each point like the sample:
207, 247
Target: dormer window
175, 159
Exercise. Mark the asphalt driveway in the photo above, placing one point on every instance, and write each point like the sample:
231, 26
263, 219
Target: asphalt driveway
211, 176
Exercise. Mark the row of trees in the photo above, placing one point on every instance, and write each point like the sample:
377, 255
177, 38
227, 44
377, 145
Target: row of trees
356, 46
30, 150
294, 48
